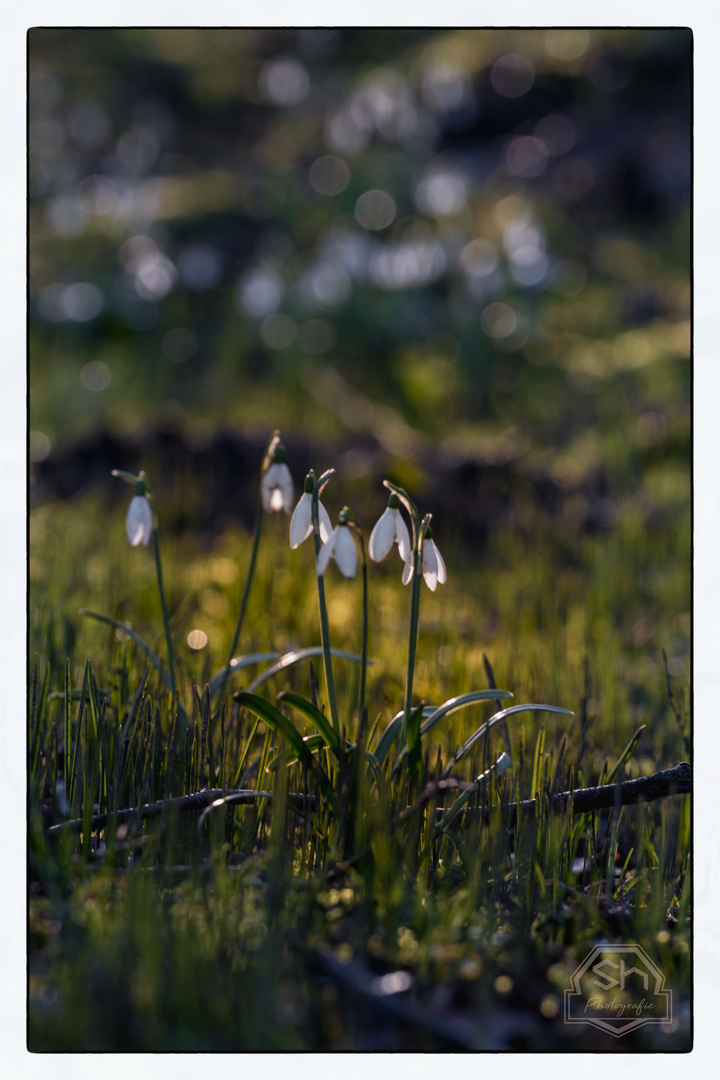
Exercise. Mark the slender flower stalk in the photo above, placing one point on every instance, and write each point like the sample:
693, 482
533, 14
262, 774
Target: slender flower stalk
347, 563
363, 649
275, 494
163, 604
324, 627
420, 563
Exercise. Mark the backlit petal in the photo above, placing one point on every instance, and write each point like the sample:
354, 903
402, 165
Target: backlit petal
430, 565
325, 552
301, 521
383, 536
442, 572
402, 536
277, 488
324, 522
139, 522
407, 572
345, 552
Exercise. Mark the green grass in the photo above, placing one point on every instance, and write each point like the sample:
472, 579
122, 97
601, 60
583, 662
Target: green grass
240, 931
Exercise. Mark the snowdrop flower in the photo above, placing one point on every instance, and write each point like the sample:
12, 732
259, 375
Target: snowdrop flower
139, 521
433, 565
390, 528
301, 522
277, 486
341, 546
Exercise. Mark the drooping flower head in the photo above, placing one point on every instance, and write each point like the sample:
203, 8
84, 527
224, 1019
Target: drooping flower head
276, 486
433, 564
301, 525
389, 529
139, 520
340, 545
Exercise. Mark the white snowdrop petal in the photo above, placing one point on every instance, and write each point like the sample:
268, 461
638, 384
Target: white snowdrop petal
407, 572
139, 523
441, 572
430, 565
277, 488
301, 521
325, 552
286, 486
345, 552
403, 537
383, 536
324, 521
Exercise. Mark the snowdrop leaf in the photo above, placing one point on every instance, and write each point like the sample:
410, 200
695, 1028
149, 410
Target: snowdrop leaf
313, 714
295, 656
496, 720
236, 664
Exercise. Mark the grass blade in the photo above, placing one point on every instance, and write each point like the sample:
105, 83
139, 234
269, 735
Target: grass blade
152, 657
627, 752
313, 714
496, 719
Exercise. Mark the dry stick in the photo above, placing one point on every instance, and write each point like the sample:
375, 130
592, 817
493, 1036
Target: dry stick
198, 800
675, 781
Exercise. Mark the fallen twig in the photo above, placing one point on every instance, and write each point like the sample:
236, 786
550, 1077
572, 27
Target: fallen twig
675, 781
198, 800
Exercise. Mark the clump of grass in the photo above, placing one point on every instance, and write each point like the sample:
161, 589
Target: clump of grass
353, 872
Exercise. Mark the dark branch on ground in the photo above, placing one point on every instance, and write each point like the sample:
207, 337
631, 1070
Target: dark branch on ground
660, 785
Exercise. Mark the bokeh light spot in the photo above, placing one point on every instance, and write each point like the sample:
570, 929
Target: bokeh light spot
442, 191
197, 639
329, 175
549, 1006
512, 75
498, 320
95, 376
557, 133
567, 44
284, 81
316, 336
40, 446
375, 210
261, 292
180, 345
527, 156
278, 331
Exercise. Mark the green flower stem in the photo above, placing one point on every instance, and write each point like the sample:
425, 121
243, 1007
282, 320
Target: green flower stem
246, 594
166, 620
363, 666
419, 529
324, 628
412, 642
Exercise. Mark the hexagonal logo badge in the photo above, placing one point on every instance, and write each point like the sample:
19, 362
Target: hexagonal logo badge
618, 988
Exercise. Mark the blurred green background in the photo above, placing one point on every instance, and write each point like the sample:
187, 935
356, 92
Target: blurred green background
461, 257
